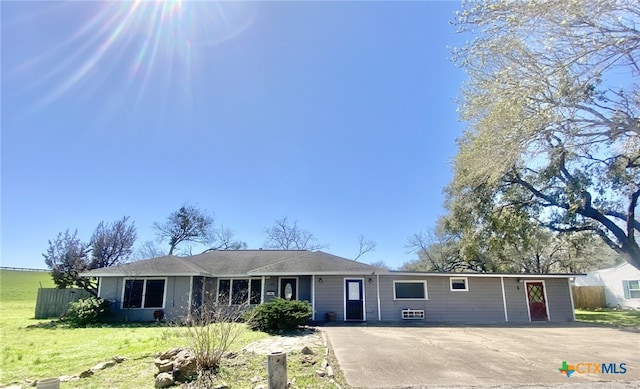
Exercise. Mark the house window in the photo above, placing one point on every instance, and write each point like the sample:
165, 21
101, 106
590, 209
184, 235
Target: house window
631, 289
459, 283
239, 291
410, 290
143, 293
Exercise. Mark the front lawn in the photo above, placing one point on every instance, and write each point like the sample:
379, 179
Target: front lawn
609, 316
37, 349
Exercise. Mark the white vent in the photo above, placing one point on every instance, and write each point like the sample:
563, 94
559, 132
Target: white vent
412, 314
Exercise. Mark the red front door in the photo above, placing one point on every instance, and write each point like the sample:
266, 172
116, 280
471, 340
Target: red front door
537, 302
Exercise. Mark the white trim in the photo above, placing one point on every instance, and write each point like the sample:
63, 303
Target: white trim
378, 292
149, 275
99, 286
262, 292
573, 308
487, 275
504, 300
544, 292
344, 298
313, 298
423, 282
297, 286
190, 297
289, 274
466, 284
144, 291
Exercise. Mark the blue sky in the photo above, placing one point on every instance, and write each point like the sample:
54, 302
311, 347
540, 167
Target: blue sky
340, 115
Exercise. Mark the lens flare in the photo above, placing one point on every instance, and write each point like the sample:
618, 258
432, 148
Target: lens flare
137, 43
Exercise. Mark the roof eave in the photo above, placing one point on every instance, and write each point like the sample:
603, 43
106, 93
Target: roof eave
151, 274
492, 275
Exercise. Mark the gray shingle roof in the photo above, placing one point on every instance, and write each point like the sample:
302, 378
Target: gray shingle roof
240, 263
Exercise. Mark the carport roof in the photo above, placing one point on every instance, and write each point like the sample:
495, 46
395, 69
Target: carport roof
231, 263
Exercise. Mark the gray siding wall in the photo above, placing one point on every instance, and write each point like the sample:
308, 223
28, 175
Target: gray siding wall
515, 294
482, 303
176, 303
330, 297
559, 300
271, 285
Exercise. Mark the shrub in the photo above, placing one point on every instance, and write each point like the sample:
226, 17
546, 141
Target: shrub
86, 311
211, 331
279, 315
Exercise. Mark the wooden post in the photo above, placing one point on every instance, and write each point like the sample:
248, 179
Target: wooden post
277, 370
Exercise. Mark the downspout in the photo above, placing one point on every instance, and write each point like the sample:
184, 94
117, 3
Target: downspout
264, 280
313, 298
573, 308
504, 300
378, 295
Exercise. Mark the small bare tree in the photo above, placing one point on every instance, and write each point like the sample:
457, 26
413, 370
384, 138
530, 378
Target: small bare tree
286, 235
365, 246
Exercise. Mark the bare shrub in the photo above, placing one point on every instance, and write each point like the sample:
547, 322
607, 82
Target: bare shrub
212, 330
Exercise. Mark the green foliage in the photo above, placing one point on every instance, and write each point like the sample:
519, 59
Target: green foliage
610, 316
279, 315
553, 135
67, 257
86, 311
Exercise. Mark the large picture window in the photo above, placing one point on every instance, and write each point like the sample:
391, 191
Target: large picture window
410, 290
239, 291
143, 293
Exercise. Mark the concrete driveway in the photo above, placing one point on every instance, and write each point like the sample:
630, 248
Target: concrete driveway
484, 355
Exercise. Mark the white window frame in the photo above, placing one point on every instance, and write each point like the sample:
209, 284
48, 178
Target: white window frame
144, 291
629, 290
424, 285
466, 284
231, 279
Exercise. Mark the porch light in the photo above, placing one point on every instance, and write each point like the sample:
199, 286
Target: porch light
370, 280
320, 280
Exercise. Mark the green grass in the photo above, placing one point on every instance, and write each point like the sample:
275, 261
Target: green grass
33, 349
608, 316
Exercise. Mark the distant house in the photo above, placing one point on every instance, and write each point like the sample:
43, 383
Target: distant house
336, 288
621, 284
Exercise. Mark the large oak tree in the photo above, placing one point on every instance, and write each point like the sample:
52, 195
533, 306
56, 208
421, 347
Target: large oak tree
553, 110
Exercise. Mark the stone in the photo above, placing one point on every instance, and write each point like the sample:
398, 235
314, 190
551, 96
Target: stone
164, 380
255, 379
330, 372
321, 373
86, 373
307, 351
170, 353
185, 362
221, 386
103, 365
324, 364
166, 367
308, 360
68, 378
118, 359
259, 387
